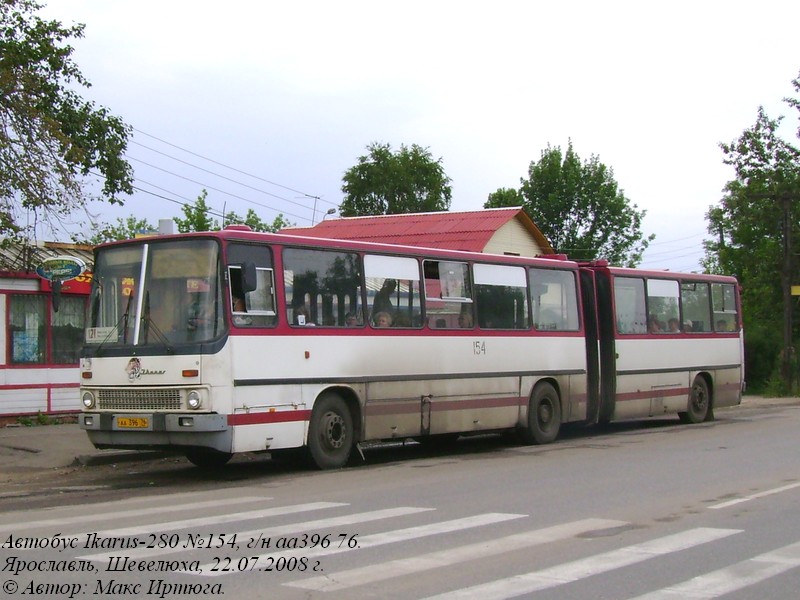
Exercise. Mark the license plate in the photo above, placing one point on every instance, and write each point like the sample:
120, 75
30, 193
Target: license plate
133, 422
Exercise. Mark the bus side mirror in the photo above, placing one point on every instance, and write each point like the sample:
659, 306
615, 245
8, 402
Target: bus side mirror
249, 281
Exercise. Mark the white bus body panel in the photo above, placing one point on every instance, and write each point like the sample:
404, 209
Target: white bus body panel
648, 389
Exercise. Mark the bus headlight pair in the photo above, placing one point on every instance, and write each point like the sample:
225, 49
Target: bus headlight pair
193, 400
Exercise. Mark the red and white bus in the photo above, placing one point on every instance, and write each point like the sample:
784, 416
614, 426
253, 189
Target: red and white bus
235, 341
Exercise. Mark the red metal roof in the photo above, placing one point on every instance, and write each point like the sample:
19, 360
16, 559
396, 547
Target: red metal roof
469, 231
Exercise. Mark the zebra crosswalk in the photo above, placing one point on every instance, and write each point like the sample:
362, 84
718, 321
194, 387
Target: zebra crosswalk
415, 549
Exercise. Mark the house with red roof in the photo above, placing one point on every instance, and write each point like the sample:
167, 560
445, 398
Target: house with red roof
494, 231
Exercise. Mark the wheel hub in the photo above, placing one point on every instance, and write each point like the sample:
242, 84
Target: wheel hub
334, 430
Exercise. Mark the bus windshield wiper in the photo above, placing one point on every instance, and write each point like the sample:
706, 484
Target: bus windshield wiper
147, 323
124, 319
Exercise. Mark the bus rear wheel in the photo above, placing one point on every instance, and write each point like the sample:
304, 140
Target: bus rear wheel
544, 415
208, 459
330, 432
699, 405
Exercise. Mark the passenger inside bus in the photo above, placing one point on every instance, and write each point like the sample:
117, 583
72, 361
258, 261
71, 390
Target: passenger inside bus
654, 325
382, 301
382, 319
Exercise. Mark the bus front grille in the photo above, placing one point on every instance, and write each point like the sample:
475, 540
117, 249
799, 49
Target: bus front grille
139, 399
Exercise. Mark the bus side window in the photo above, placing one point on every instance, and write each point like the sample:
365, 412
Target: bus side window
322, 287
554, 300
393, 295
629, 303
448, 294
723, 300
254, 308
696, 305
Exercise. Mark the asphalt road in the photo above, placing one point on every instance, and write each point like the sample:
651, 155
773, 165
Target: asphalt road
648, 509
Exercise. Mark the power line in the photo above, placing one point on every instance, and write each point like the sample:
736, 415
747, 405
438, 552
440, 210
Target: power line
206, 186
677, 239
214, 174
293, 190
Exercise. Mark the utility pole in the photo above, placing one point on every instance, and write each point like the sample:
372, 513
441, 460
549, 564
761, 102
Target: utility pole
787, 354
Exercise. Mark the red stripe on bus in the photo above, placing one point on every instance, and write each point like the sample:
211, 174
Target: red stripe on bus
645, 394
414, 406
260, 418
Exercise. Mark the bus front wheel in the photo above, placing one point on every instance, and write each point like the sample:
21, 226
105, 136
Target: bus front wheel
544, 415
330, 432
699, 405
208, 459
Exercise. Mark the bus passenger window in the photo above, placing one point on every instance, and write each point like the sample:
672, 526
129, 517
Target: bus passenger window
554, 300
631, 316
447, 293
321, 286
662, 301
392, 285
502, 296
696, 304
723, 301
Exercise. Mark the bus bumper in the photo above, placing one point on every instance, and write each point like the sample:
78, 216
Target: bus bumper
165, 431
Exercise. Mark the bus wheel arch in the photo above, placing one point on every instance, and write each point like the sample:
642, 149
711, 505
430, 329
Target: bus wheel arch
544, 414
699, 406
332, 429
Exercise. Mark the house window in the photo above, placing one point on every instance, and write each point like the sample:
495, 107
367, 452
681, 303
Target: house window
68, 330
30, 317
28, 329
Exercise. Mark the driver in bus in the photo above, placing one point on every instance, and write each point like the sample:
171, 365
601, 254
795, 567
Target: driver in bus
239, 306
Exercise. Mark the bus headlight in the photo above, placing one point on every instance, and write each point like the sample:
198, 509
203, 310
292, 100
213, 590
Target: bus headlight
88, 400
193, 400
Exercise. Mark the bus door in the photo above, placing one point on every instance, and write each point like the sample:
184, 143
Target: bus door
606, 332
589, 305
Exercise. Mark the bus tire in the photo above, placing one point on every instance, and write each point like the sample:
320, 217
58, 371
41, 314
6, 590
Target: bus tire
330, 432
208, 459
699, 405
544, 415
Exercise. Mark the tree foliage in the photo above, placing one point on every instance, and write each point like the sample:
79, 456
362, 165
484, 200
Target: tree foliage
124, 229
579, 207
760, 207
50, 137
389, 183
197, 216
252, 220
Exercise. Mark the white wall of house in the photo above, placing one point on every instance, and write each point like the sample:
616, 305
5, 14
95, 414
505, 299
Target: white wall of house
513, 238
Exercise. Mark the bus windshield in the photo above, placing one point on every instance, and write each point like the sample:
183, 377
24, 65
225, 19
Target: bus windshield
156, 293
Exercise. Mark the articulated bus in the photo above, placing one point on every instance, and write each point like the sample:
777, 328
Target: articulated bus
211, 344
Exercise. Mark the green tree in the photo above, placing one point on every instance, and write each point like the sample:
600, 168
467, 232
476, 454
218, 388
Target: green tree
390, 183
756, 235
504, 197
50, 137
123, 230
197, 216
255, 223
579, 208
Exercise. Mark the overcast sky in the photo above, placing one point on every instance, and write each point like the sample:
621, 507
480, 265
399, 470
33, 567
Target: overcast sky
289, 94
